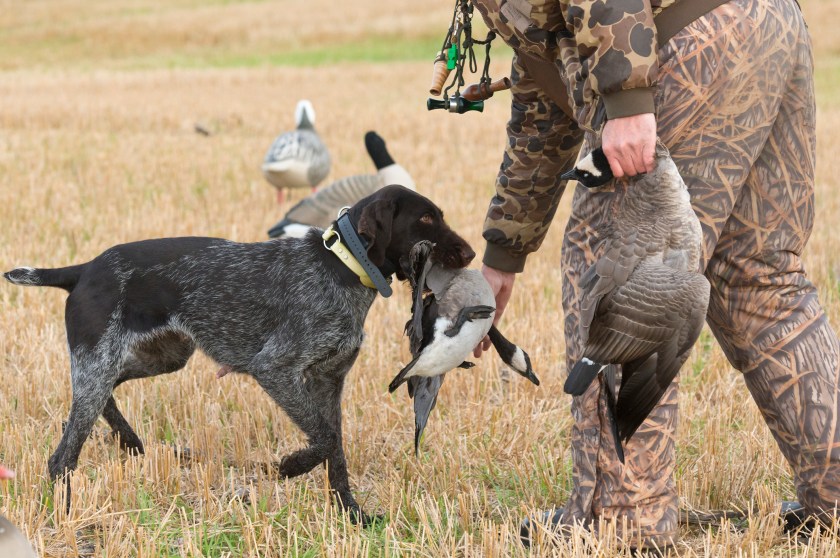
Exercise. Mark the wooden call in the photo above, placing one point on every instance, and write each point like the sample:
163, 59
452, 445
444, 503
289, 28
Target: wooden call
439, 74
479, 92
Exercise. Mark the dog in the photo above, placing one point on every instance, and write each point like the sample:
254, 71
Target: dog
287, 312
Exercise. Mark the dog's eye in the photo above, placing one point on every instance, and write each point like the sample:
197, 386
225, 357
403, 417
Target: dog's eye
427, 219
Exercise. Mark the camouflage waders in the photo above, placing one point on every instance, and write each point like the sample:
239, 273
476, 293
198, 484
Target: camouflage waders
735, 106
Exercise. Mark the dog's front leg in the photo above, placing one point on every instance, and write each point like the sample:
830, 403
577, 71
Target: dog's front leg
325, 386
328, 391
287, 389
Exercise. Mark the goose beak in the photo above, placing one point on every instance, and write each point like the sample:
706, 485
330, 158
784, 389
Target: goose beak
530, 376
528, 373
569, 175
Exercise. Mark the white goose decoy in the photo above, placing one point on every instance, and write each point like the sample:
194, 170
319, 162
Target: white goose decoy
297, 159
643, 302
320, 208
445, 327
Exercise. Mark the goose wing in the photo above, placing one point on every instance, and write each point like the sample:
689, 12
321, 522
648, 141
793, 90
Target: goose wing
285, 147
610, 272
302, 147
420, 330
344, 192
316, 152
653, 325
649, 310
321, 208
424, 311
421, 327
424, 391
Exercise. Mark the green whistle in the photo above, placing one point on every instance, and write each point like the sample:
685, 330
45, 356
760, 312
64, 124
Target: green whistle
457, 104
465, 105
452, 57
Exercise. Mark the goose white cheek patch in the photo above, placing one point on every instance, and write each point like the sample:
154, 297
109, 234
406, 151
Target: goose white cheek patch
588, 165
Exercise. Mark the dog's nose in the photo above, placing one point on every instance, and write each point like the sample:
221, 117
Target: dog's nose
467, 254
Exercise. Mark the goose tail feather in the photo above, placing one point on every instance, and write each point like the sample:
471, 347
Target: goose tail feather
582, 374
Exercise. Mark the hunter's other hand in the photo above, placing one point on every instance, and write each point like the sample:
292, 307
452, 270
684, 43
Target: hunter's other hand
502, 284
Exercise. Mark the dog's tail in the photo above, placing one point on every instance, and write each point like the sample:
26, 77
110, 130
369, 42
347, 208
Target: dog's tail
62, 277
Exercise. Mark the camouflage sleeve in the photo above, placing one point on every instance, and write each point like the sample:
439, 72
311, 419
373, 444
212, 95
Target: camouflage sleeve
543, 141
617, 40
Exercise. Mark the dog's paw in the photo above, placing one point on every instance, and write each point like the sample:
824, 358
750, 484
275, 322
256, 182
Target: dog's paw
288, 467
284, 469
129, 442
366, 521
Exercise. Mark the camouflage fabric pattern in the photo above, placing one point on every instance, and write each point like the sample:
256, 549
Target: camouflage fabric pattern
542, 143
735, 106
602, 48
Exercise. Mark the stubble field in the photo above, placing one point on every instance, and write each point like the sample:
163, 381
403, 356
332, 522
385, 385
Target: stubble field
97, 106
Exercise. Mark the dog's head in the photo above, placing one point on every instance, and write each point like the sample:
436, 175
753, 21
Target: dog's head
394, 219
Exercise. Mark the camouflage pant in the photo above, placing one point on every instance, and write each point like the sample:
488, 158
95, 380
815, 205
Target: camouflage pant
736, 109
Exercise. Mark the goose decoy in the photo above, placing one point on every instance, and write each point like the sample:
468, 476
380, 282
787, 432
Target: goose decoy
643, 302
445, 327
297, 159
320, 208
13, 544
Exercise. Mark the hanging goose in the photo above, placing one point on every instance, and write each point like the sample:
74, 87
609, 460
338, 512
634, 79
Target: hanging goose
643, 302
445, 327
320, 208
297, 159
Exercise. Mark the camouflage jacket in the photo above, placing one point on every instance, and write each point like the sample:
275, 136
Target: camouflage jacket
605, 52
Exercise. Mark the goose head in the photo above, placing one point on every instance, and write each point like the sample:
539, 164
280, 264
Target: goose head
591, 171
305, 115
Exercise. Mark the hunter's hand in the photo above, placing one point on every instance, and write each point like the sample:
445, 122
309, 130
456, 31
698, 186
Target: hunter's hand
629, 144
502, 284
6, 473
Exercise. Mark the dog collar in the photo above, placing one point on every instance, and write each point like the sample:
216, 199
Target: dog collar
353, 255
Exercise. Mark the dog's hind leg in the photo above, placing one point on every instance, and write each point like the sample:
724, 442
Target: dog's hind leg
163, 353
91, 390
129, 441
89, 401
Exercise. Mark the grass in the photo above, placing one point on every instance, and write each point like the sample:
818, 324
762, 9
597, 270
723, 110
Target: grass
126, 34
97, 148
370, 49
143, 35
384, 48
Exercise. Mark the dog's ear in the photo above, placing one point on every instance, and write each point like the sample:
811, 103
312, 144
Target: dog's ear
375, 225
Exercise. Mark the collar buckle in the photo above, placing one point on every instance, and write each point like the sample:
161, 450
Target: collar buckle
345, 256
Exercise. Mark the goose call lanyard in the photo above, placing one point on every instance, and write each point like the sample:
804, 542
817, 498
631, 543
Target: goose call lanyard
459, 47
458, 51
